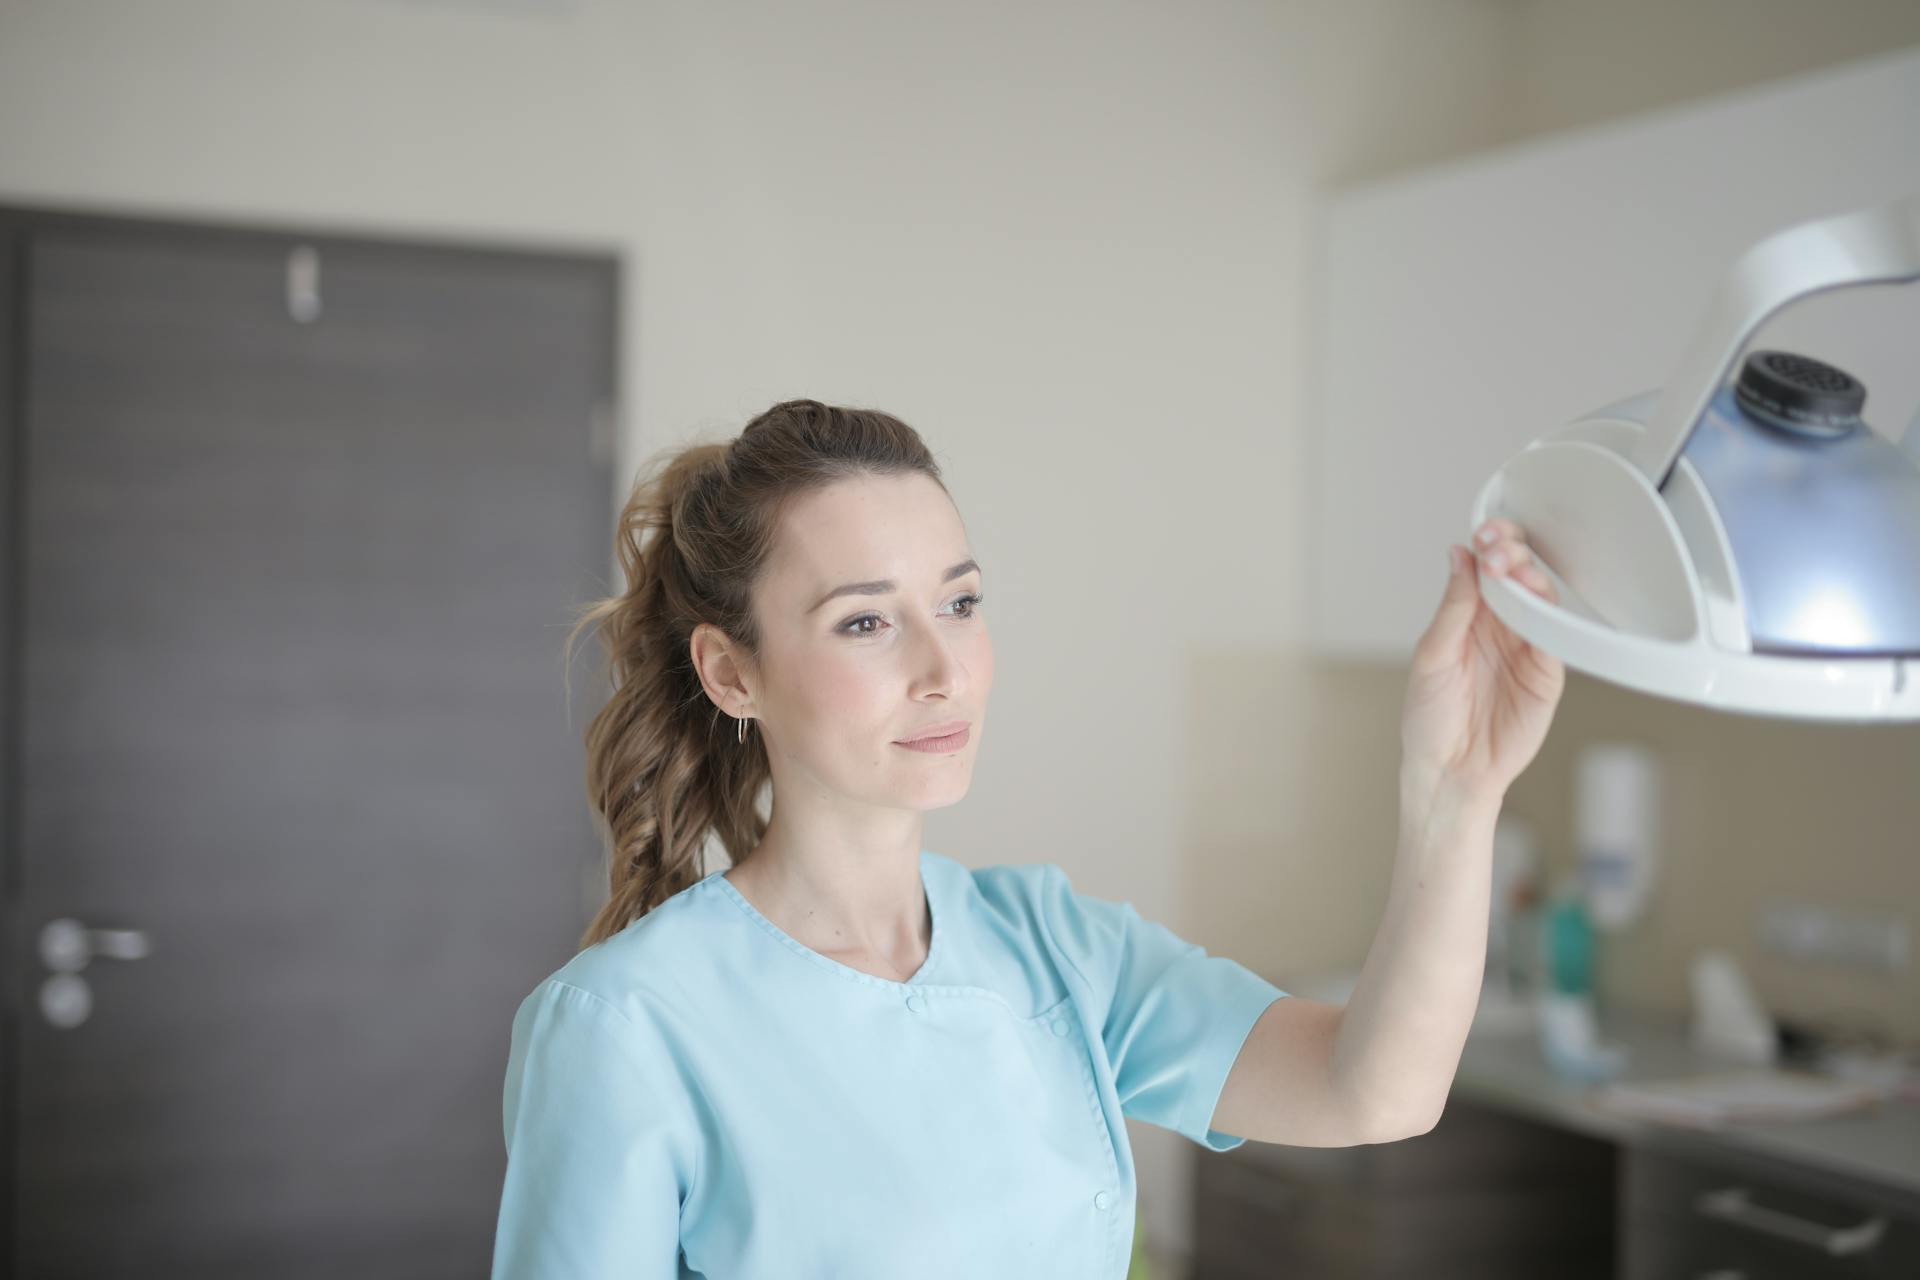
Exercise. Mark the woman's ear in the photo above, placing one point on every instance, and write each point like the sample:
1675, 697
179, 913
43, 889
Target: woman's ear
715, 661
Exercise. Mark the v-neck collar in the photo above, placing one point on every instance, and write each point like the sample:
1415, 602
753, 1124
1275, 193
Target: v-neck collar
929, 880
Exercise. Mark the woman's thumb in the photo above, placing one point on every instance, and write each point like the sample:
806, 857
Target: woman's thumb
1463, 579
1461, 602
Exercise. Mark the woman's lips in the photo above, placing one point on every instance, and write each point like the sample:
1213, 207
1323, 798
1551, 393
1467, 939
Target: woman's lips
950, 742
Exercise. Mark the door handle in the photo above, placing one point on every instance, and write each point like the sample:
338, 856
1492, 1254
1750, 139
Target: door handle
66, 945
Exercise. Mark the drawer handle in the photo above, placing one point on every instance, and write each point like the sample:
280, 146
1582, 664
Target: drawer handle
1731, 1204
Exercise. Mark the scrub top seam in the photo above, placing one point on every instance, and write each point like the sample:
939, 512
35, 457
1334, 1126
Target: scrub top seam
595, 998
1091, 1084
934, 949
1090, 1090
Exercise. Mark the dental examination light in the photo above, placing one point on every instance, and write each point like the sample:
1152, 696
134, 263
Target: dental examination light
1747, 543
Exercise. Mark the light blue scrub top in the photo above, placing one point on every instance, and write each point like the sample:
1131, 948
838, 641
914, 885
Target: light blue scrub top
702, 1095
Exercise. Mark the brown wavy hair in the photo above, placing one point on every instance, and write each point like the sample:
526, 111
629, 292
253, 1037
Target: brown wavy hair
662, 770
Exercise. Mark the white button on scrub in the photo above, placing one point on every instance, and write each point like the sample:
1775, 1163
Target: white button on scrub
916, 1004
1059, 1026
1103, 1200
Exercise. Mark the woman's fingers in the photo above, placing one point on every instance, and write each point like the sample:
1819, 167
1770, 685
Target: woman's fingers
1501, 546
1533, 576
1496, 528
1505, 555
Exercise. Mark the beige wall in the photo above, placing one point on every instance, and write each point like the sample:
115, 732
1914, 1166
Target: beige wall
1580, 62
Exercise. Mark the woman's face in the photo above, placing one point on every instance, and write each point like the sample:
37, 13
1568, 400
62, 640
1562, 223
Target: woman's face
843, 676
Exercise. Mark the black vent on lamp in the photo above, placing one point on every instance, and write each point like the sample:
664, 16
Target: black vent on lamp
1799, 394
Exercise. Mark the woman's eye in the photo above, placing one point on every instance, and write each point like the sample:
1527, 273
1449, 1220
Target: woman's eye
852, 625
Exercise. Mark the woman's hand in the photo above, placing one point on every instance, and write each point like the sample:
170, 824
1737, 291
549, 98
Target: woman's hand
1480, 697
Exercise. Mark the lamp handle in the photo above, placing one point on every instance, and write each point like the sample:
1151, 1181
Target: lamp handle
1878, 245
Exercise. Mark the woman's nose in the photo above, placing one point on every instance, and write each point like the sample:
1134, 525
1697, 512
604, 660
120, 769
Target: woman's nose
940, 665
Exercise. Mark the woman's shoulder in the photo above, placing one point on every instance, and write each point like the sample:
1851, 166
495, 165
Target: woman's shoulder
1038, 901
1017, 888
656, 960
1029, 903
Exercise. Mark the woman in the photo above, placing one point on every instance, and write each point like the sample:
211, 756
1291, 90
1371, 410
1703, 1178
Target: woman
848, 1056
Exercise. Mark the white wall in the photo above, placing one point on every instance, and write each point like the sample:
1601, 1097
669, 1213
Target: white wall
1064, 240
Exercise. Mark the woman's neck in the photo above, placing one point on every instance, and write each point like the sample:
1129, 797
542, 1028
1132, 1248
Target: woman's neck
870, 914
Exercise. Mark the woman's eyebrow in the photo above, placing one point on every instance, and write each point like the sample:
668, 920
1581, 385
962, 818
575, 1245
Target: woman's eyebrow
880, 586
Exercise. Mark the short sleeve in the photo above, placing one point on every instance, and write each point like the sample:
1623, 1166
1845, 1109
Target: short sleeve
600, 1150
1174, 1016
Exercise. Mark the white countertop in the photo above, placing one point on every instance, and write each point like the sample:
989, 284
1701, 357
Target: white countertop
1878, 1143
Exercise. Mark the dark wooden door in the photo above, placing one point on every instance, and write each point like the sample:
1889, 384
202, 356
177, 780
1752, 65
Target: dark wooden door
296, 528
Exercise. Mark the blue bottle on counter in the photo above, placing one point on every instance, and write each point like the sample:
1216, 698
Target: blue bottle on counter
1567, 943
1569, 1031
